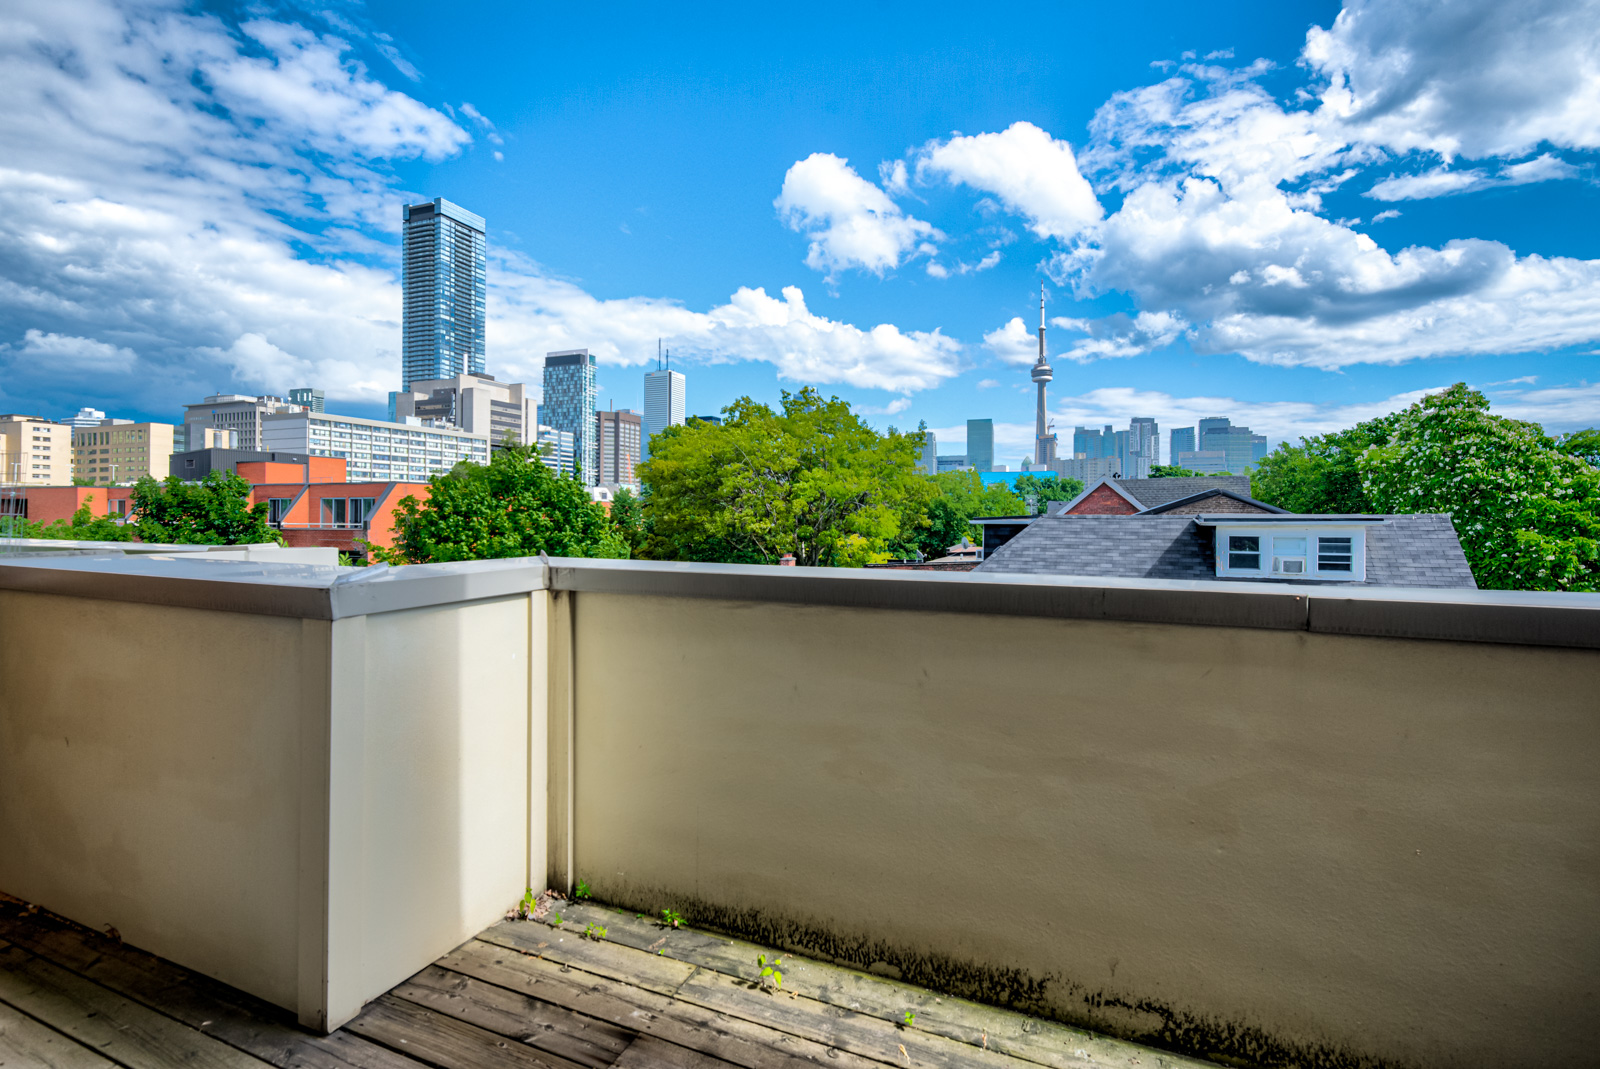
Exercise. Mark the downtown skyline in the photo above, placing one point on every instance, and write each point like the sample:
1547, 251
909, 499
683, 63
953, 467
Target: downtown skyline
1224, 224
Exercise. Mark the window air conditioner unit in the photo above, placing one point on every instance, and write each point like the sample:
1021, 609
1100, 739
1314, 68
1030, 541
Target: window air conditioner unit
1289, 566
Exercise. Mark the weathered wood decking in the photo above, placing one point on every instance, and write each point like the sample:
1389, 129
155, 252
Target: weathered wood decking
522, 995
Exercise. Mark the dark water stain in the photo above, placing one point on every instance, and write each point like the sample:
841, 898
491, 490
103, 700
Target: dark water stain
1050, 995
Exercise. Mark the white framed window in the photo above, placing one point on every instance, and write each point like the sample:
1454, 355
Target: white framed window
1334, 554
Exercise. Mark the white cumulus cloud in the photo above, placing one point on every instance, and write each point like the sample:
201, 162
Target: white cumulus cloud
1474, 78
1031, 173
851, 222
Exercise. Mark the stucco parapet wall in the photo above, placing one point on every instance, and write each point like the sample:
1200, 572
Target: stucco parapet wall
1517, 618
308, 592
1514, 617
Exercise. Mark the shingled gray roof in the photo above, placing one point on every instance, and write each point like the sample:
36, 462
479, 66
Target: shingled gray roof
1417, 551
1153, 492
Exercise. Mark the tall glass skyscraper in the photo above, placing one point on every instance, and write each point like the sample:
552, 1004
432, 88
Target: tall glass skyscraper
570, 396
980, 444
442, 257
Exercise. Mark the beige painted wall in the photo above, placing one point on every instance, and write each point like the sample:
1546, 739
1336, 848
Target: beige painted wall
308, 811
1381, 848
150, 776
431, 790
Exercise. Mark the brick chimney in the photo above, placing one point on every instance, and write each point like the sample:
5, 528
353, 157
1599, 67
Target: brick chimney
787, 560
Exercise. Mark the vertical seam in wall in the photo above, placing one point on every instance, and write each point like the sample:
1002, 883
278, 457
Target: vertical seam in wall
572, 728
527, 765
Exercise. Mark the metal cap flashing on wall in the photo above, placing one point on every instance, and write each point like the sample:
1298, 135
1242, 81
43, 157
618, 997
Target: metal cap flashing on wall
325, 593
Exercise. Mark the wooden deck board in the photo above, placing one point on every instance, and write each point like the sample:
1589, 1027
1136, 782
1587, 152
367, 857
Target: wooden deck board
730, 1039
1003, 1031
105, 1022
27, 1044
523, 995
225, 1013
444, 1041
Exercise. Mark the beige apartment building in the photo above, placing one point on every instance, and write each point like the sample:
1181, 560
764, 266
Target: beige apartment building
35, 452
119, 452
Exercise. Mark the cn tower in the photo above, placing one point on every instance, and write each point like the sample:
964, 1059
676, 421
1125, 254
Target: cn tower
1044, 451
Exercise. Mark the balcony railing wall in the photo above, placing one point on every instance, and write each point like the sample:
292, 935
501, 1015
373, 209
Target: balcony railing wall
1281, 823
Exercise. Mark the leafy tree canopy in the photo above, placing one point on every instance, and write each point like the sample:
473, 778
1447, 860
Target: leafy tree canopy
1527, 512
1320, 474
1584, 444
215, 511
1172, 471
956, 498
1037, 490
627, 516
812, 479
513, 506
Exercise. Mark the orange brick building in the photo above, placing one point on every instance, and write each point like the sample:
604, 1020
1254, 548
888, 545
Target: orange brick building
310, 504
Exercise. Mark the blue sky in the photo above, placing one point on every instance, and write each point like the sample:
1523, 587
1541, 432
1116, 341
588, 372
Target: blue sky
1298, 215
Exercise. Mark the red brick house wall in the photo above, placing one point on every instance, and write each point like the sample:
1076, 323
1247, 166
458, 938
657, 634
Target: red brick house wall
1103, 501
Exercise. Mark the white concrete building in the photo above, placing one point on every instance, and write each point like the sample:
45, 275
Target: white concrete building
374, 450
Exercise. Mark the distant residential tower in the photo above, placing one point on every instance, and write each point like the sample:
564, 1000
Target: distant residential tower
442, 271
570, 396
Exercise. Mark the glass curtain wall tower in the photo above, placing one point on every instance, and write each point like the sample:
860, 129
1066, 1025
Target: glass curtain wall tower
443, 256
570, 396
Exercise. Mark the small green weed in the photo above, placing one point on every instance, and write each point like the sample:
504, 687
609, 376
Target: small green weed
672, 918
771, 975
595, 932
910, 1018
555, 919
583, 890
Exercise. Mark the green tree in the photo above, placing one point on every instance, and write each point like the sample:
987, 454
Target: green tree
214, 511
1320, 474
1172, 471
813, 480
1527, 513
627, 516
959, 497
1037, 490
1584, 444
513, 506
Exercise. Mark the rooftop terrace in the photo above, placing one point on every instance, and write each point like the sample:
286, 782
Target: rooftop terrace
522, 995
1342, 828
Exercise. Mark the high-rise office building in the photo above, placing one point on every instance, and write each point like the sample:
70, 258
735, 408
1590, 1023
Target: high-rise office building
475, 403
373, 450
618, 433
121, 451
663, 404
35, 451
86, 417
1242, 448
980, 444
1090, 444
232, 412
1182, 442
556, 450
1139, 447
570, 396
928, 464
310, 399
443, 273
